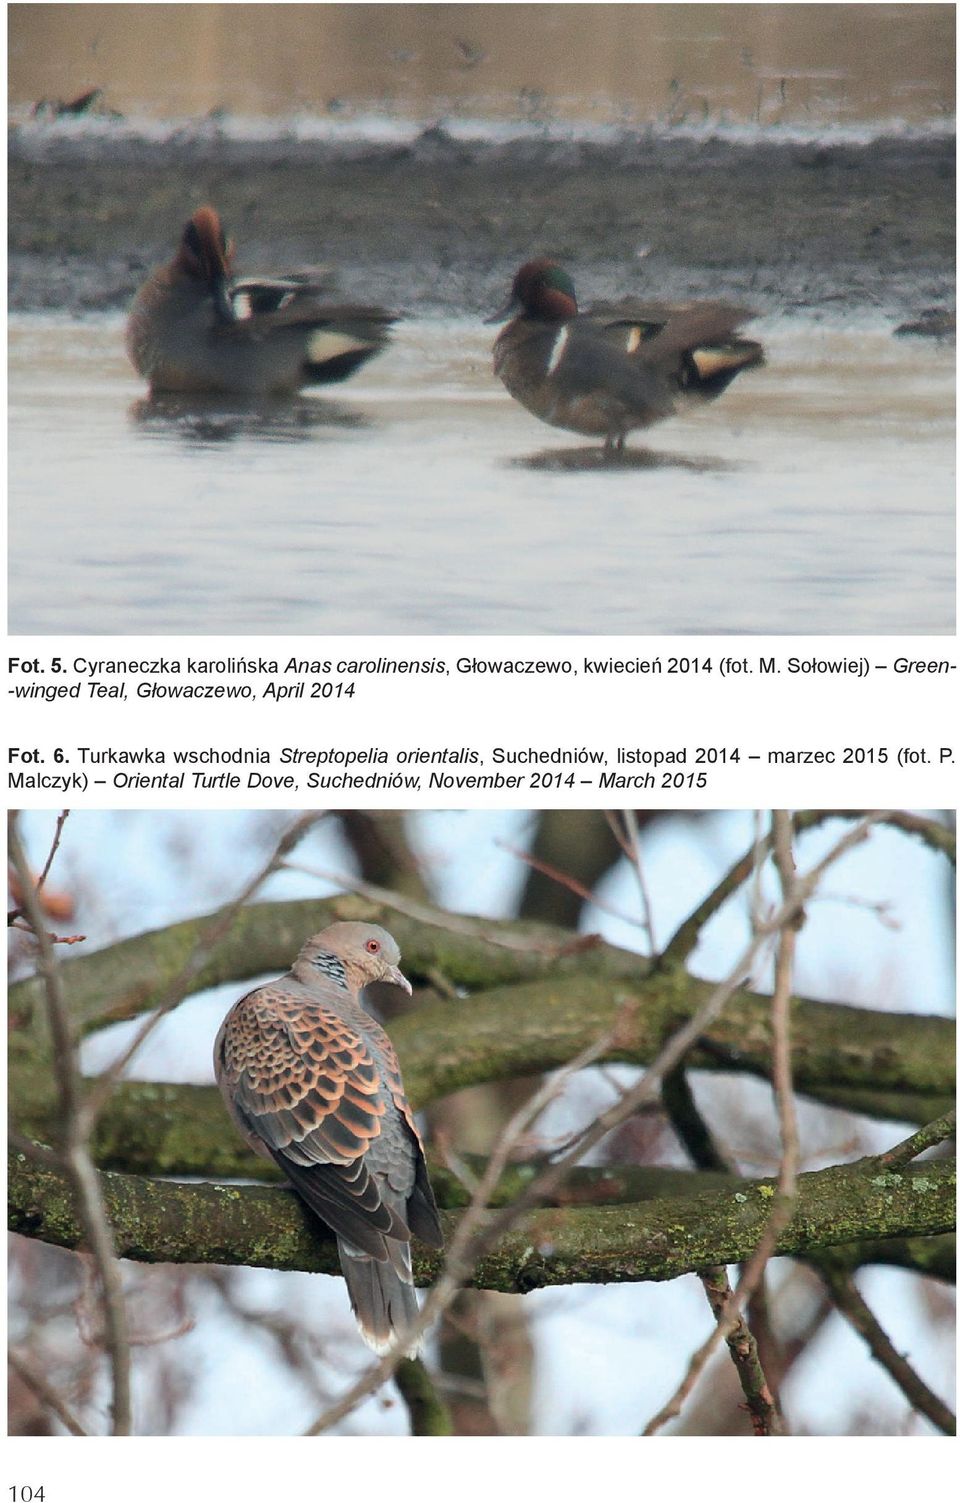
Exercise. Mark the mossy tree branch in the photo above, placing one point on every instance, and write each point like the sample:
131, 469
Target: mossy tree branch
536, 1007
538, 998
428, 1413
158, 1221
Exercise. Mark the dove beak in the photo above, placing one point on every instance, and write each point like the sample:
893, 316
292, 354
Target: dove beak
395, 976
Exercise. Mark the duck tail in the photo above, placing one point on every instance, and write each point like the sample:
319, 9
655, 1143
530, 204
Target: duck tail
708, 369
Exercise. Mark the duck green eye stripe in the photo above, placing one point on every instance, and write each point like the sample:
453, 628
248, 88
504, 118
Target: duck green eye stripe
560, 280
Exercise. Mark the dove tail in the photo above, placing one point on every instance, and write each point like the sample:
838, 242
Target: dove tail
382, 1295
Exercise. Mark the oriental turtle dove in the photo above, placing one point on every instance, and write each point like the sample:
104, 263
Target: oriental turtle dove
312, 1081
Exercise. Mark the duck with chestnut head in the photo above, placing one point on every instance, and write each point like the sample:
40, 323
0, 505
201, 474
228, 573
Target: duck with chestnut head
194, 327
617, 366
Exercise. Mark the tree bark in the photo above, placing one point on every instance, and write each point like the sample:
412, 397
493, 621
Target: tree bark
161, 1221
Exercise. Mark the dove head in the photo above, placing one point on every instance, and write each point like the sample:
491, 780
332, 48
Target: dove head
360, 953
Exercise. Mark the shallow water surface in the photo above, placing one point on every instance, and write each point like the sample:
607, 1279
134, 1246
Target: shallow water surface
815, 496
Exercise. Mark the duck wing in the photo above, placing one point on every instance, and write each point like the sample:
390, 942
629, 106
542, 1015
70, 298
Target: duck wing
695, 345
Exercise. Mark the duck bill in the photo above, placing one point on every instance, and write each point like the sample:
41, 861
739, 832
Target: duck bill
395, 976
512, 305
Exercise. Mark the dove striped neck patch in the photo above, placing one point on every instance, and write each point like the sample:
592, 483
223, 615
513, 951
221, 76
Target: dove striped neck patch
332, 967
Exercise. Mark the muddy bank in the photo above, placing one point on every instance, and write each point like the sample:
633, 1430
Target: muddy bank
440, 225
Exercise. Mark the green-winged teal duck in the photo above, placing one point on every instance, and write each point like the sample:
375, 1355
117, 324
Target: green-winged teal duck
616, 366
194, 328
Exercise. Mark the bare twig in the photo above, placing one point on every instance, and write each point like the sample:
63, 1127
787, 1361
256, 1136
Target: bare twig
684, 941
683, 1040
927, 1137
424, 913
564, 879
44, 1391
854, 1308
882, 910
689, 1124
629, 841
75, 1151
742, 1344
14, 921
781, 1070
795, 892
62, 818
759, 856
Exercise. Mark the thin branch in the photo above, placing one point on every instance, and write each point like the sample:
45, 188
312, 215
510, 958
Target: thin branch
742, 1344
629, 841
75, 1150
761, 1401
782, 1068
730, 1312
14, 921
854, 1308
44, 1391
928, 1137
689, 1124
564, 879
687, 936
425, 913
62, 818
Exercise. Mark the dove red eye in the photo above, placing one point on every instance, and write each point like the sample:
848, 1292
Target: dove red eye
373, 947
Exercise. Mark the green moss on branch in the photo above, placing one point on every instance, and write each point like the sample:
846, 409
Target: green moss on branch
266, 1227
534, 1009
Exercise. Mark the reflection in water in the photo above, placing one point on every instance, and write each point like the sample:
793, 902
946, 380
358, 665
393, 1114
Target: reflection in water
824, 487
204, 421
596, 457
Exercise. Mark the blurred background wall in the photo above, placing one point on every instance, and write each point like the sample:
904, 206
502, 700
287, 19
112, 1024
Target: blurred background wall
635, 64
